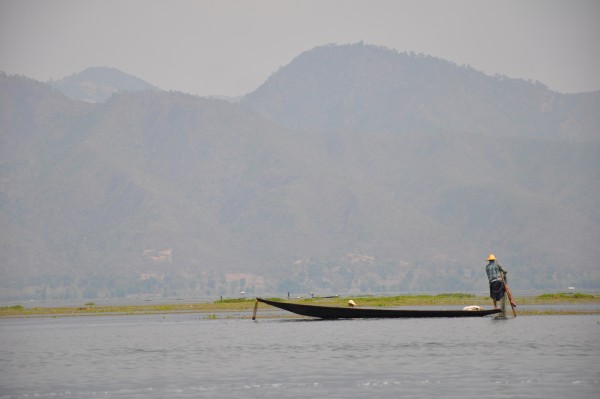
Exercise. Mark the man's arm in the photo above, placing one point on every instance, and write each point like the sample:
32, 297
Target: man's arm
503, 270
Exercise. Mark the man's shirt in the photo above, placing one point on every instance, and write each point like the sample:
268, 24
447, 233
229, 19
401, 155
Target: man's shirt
493, 270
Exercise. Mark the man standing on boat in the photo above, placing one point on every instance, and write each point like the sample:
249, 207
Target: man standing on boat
496, 276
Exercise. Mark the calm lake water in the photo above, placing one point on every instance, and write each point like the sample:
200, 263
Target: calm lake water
190, 356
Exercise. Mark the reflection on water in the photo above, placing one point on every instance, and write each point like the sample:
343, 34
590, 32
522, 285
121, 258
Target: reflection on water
180, 356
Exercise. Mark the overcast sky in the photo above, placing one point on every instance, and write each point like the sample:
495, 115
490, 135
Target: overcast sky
230, 47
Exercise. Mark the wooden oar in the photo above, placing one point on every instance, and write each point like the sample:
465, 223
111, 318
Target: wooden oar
510, 298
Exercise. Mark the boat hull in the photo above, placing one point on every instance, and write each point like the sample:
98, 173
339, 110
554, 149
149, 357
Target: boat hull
331, 312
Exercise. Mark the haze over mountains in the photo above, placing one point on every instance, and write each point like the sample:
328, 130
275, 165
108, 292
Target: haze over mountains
354, 168
97, 84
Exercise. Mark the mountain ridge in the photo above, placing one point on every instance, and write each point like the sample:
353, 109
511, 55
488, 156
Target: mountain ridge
163, 193
97, 84
368, 87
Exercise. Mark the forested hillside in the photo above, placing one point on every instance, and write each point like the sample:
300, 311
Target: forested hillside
352, 169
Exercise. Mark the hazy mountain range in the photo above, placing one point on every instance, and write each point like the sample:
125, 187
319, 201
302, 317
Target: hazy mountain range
97, 84
354, 168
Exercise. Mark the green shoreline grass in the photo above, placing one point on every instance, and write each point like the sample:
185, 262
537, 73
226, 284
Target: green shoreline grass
246, 305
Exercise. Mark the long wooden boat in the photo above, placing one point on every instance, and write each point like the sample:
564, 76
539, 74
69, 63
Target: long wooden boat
333, 312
